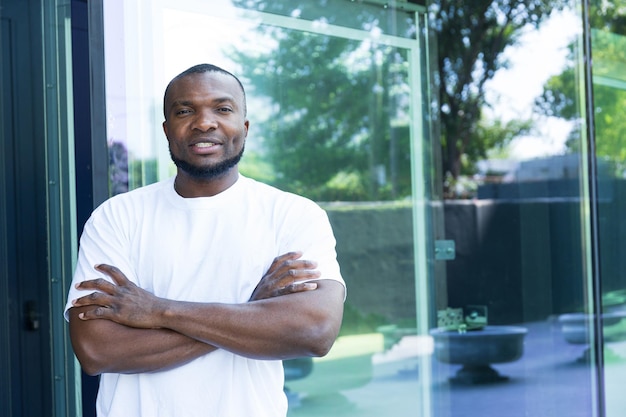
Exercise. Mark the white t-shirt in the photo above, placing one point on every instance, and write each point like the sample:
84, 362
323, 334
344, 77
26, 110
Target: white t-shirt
209, 249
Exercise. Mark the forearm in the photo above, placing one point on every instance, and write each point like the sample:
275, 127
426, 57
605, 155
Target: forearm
296, 325
103, 346
304, 323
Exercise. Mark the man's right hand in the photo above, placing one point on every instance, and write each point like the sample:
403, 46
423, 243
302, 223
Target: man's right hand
288, 274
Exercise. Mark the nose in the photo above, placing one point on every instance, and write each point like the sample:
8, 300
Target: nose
204, 121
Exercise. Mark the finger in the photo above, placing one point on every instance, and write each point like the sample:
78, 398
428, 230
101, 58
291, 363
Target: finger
96, 298
96, 313
291, 276
295, 269
99, 284
113, 272
300, 287
300, 264
301, 274
295, 288
279, 261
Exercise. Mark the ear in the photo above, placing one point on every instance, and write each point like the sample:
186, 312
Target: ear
165, 129
247, 126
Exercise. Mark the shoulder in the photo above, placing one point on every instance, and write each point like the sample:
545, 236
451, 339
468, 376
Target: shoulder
291, 214
135, 199
275, 196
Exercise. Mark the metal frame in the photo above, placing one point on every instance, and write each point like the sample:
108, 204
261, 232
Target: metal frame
60, 194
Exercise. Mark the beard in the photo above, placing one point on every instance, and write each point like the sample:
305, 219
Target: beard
207, 173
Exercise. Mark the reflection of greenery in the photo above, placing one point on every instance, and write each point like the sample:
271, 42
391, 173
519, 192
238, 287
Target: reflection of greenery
614, 298
559, 99
560, 94
254, 166
373, 206
356, 322
340, 126
142, 172
339, 129
610, 299
472, 35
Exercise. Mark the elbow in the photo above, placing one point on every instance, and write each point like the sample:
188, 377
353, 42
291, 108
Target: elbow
90, 351
321, 349
323, 334
90, 370
322, 339
90, 361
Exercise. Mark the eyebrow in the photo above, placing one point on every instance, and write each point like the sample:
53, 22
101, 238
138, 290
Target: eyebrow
228, 99
218, 100
181, 103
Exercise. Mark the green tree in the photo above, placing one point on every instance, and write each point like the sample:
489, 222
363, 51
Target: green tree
337, 129
471, 37
339, 112
560, 93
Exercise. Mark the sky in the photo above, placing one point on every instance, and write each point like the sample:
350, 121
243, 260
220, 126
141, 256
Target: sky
538, 56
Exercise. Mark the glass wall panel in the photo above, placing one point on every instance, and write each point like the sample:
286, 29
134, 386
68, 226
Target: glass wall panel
608, 37
337, 105
518, 337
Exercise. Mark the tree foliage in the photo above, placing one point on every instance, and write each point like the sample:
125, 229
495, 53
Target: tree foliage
471, 38
339, 111
561, 92
340, 127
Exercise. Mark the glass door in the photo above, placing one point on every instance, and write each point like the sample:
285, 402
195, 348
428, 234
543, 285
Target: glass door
521, 335
337, 99
608, 41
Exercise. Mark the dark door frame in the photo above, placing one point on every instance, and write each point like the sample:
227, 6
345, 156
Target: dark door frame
28, 334
36, 209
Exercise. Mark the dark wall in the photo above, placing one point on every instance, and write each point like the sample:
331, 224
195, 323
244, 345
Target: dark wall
82, 143
521, 257
82, 111
375, 252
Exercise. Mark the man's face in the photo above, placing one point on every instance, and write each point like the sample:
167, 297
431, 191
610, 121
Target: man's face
205, 123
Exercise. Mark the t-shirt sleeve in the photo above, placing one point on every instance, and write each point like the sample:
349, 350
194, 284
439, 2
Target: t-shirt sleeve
102, 241
310, 231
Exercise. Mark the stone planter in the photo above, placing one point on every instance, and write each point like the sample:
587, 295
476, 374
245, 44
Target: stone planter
576, 329
477, 350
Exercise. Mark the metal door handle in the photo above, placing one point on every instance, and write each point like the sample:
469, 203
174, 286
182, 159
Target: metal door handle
31, 316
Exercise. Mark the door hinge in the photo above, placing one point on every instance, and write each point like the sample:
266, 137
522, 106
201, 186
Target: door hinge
444, 250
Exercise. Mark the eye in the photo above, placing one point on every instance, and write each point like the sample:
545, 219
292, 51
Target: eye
224, 110
182, 111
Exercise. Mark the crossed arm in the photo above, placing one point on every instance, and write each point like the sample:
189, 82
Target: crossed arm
122, 328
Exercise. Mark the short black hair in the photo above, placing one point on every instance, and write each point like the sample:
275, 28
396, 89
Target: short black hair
200, 69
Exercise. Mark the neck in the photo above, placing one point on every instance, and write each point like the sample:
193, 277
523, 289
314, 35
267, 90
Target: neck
190, 187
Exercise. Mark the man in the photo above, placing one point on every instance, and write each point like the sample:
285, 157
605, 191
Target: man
189, 292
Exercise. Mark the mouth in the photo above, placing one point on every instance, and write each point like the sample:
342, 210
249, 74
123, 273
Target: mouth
204, 144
